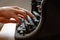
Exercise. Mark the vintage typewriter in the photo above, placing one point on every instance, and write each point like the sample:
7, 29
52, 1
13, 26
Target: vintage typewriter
27, 28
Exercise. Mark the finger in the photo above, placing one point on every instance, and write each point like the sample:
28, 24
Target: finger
4, 20
21, 16
21, 12
17, 19
15, 7
30, 14
27, 12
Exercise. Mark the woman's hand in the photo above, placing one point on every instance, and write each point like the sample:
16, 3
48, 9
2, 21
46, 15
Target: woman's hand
13, 12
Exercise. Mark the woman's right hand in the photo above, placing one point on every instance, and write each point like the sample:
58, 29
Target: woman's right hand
13, 12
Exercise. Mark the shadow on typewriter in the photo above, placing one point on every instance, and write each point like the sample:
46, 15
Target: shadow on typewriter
1, 25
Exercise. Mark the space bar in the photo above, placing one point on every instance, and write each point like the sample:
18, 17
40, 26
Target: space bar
8, 31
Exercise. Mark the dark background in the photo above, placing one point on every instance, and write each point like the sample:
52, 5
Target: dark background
51, 24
